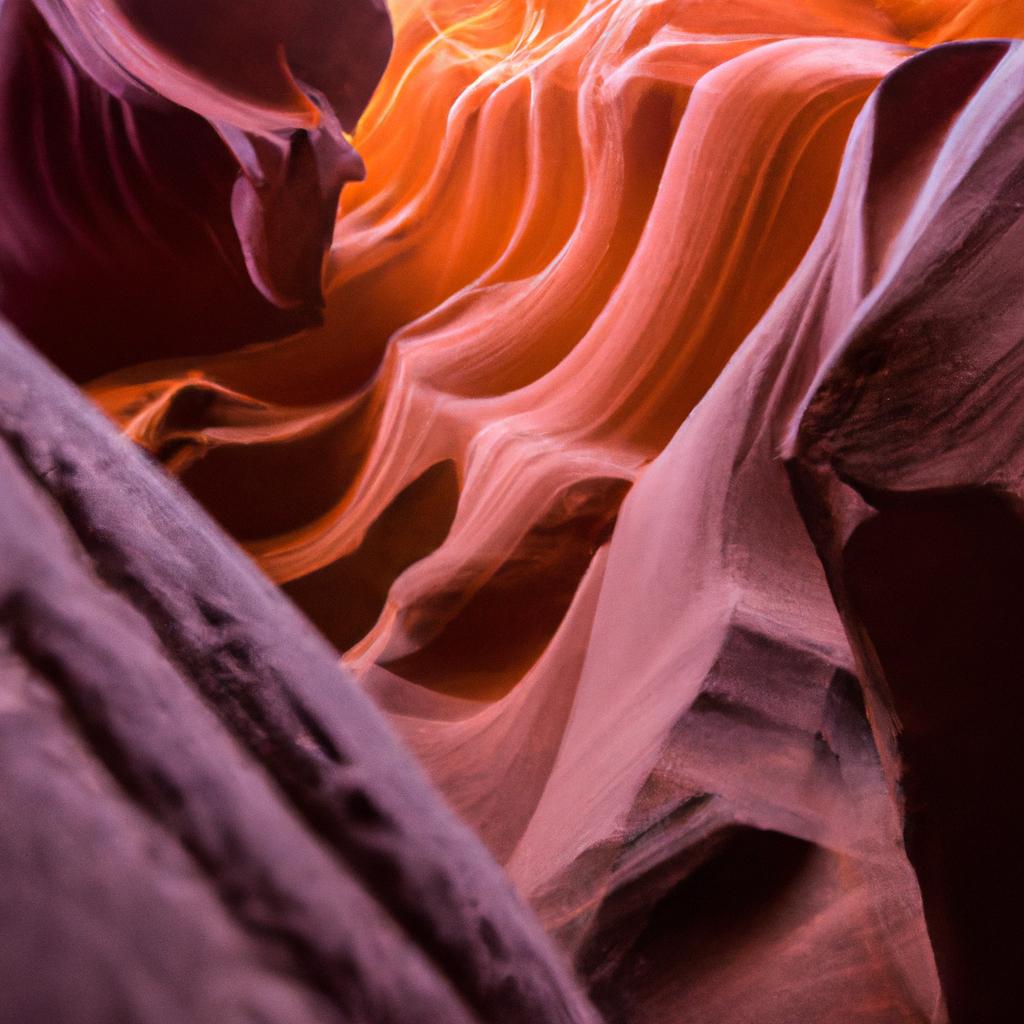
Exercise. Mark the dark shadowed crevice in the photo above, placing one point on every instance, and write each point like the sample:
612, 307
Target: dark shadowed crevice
488, 644
937, 580
257, 491
345, 598
743, 887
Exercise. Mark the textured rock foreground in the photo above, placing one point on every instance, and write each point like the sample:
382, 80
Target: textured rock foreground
203, 817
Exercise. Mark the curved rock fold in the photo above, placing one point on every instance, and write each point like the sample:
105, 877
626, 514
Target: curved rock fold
640, 430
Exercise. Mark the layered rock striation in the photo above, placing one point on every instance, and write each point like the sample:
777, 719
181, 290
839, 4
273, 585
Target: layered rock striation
653, 467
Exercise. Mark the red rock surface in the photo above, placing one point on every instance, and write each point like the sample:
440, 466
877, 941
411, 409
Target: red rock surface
654, 466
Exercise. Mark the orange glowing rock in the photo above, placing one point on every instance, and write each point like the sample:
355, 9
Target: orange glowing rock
571, 218
516, 480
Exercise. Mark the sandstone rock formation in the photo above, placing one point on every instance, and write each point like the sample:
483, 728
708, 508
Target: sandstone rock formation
654, 467
169, 173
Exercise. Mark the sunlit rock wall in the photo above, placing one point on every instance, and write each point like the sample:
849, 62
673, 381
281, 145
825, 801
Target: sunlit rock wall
642, 315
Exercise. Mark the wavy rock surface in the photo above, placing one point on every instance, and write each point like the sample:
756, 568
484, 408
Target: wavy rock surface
733, 635
662, 349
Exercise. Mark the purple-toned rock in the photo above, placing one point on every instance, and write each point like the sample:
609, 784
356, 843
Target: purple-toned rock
907, 460
202, 818
169, 174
